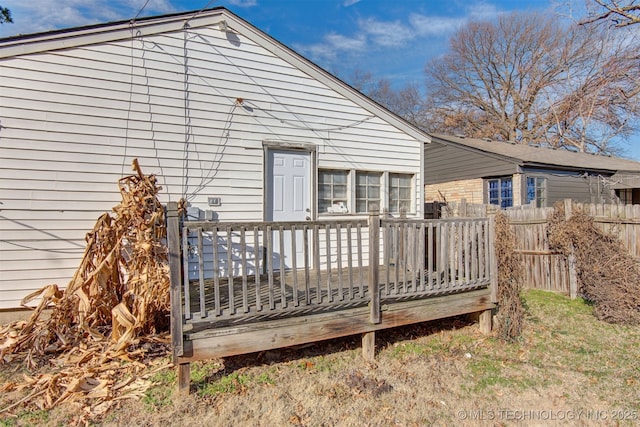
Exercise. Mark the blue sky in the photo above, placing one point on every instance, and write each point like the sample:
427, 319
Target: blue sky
390, 39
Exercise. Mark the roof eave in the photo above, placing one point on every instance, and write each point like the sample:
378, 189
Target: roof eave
517, 162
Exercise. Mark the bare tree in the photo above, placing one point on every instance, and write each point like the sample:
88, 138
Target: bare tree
530, 79
599, 91
620, 13
407, 102
5, 15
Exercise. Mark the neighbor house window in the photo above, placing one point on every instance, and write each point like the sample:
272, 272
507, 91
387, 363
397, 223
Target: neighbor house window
500, 192
332, 191
368, 191
536, 193
399, 192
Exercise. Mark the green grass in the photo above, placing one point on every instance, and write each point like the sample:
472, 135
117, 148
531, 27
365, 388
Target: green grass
232, 383
161, 395
564, 354
29, 418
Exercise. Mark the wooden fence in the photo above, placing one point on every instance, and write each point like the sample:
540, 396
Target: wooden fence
544, 268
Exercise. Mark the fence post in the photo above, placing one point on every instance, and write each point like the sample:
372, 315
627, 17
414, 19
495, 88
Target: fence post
175, 284
571, 259
462, 210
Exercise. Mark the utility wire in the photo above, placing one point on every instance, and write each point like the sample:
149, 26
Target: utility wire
140, 11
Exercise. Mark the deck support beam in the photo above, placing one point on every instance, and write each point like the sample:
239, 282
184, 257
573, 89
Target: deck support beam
369, 346
184, 378
485, 320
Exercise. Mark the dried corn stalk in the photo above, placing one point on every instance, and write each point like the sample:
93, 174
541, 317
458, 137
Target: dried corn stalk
118, 297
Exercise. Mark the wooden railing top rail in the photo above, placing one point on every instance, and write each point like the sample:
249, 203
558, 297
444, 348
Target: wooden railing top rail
429, 221
210, 225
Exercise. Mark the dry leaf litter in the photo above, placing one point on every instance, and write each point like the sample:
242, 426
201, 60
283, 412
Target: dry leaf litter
109, 326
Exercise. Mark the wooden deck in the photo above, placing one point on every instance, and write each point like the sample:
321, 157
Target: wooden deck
235, 289
301, 296
228, 338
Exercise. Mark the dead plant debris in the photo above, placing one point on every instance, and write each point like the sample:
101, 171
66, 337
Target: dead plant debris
364, 385
111, 321
510, 316
608, 276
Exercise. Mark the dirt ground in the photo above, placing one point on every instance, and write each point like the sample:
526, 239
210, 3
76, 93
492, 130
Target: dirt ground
567, 369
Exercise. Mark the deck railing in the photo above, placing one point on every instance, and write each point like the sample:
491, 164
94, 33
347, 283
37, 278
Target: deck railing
230, 270
424, 257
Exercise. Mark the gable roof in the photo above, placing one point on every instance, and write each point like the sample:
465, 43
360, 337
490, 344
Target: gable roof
228, 22
526, 155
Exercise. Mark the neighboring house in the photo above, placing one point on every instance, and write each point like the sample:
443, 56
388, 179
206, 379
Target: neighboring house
509, 174
238, 124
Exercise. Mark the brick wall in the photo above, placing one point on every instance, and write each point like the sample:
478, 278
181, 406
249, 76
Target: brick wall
454, 191
470, 189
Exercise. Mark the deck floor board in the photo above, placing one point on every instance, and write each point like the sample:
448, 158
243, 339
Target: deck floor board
304, 300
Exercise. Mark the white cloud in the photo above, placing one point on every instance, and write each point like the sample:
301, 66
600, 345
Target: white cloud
243, 3
340, 42
45, 15
332, 46
385, 33
435, 25
483, 11
348, 3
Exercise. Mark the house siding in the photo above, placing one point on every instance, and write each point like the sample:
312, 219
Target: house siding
580, 187
444, 163
73, 119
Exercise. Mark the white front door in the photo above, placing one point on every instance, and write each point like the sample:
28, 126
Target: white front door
288, 198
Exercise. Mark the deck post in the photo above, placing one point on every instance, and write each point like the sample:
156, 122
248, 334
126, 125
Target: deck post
184, 378
369, 346
374, 266
175, 278
485, 321
175, 284
493, 259
369, 338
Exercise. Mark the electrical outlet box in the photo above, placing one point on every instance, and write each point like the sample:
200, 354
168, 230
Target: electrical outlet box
215, 201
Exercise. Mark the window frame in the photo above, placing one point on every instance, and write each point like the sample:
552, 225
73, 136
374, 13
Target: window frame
333, 200
539, 189
390, 187
501, 188
384, 191
367, 199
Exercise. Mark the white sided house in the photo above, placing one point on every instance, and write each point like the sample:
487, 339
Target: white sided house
242, 127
